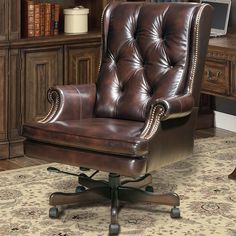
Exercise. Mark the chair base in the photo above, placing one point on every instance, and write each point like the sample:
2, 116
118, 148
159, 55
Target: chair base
114, 191
233, 175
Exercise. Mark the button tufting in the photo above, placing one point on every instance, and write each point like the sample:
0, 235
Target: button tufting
151, 92
122, 88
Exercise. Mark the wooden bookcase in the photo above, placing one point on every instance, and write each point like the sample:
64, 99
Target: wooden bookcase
29, 66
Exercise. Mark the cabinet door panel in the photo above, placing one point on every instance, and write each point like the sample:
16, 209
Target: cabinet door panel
81, 64
43, 68
14, 95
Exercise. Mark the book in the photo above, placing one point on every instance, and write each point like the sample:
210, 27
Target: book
37, 19
47, 22
42, 19
28, 18
56, 19
52, 19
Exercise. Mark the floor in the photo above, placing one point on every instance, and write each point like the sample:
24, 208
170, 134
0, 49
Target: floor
21, 162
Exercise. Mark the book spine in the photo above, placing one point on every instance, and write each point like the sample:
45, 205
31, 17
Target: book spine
37, 19
56, 19
42, 19
47, 24
28, 18
52, 19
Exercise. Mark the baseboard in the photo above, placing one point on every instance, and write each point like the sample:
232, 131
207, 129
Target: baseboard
225, 121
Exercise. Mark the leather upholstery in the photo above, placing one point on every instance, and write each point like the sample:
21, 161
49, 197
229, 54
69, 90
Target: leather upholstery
141, 113
115, 136
145, 57
81, 98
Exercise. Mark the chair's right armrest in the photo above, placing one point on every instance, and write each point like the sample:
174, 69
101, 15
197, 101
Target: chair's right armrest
70, 102
164, 109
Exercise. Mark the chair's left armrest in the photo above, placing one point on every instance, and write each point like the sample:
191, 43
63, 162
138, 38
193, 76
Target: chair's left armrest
164, 109
70, 102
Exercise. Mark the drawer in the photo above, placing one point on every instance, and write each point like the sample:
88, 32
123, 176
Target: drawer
216, 77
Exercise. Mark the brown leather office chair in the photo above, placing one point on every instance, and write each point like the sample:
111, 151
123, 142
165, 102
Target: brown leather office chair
141, 113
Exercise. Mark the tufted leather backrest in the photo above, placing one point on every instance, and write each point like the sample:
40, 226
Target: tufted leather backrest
146, 55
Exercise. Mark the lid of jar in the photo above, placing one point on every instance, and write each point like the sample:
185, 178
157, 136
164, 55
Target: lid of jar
80, 10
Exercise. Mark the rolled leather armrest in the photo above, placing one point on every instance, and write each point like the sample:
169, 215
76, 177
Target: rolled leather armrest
70, 102
164, 109
175, 107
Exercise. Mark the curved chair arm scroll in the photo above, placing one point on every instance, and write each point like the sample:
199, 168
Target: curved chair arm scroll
164, 109
70, 102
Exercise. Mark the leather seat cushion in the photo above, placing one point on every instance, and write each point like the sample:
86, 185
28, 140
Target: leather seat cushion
97, 134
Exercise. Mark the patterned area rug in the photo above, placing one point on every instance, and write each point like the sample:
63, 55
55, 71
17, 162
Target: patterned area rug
208, 199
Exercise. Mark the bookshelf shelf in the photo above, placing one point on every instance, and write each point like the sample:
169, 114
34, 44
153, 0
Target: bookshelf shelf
28, 15
94, 36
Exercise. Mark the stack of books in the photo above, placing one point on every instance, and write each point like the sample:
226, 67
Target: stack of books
40, 19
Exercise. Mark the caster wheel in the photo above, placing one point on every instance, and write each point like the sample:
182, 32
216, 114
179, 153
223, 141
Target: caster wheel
54, 212
149, 189
175, 213
80, 189
83, 175
114, 229
84, 169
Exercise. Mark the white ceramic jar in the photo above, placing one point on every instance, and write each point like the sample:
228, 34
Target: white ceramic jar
76, 20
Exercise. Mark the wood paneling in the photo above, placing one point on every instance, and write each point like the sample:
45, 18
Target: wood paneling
14, 19
42, 68
14, 95
3, 94
4, 19
81, 63
3, 103
233, 79
14, 111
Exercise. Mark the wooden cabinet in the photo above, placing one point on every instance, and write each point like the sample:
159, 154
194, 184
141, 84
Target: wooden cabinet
219, 76
216, 76
3, 100
29, 66
81, 63
41, 69
220, 67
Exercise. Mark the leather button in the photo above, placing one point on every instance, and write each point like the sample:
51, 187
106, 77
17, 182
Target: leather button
122, 89
151, 92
